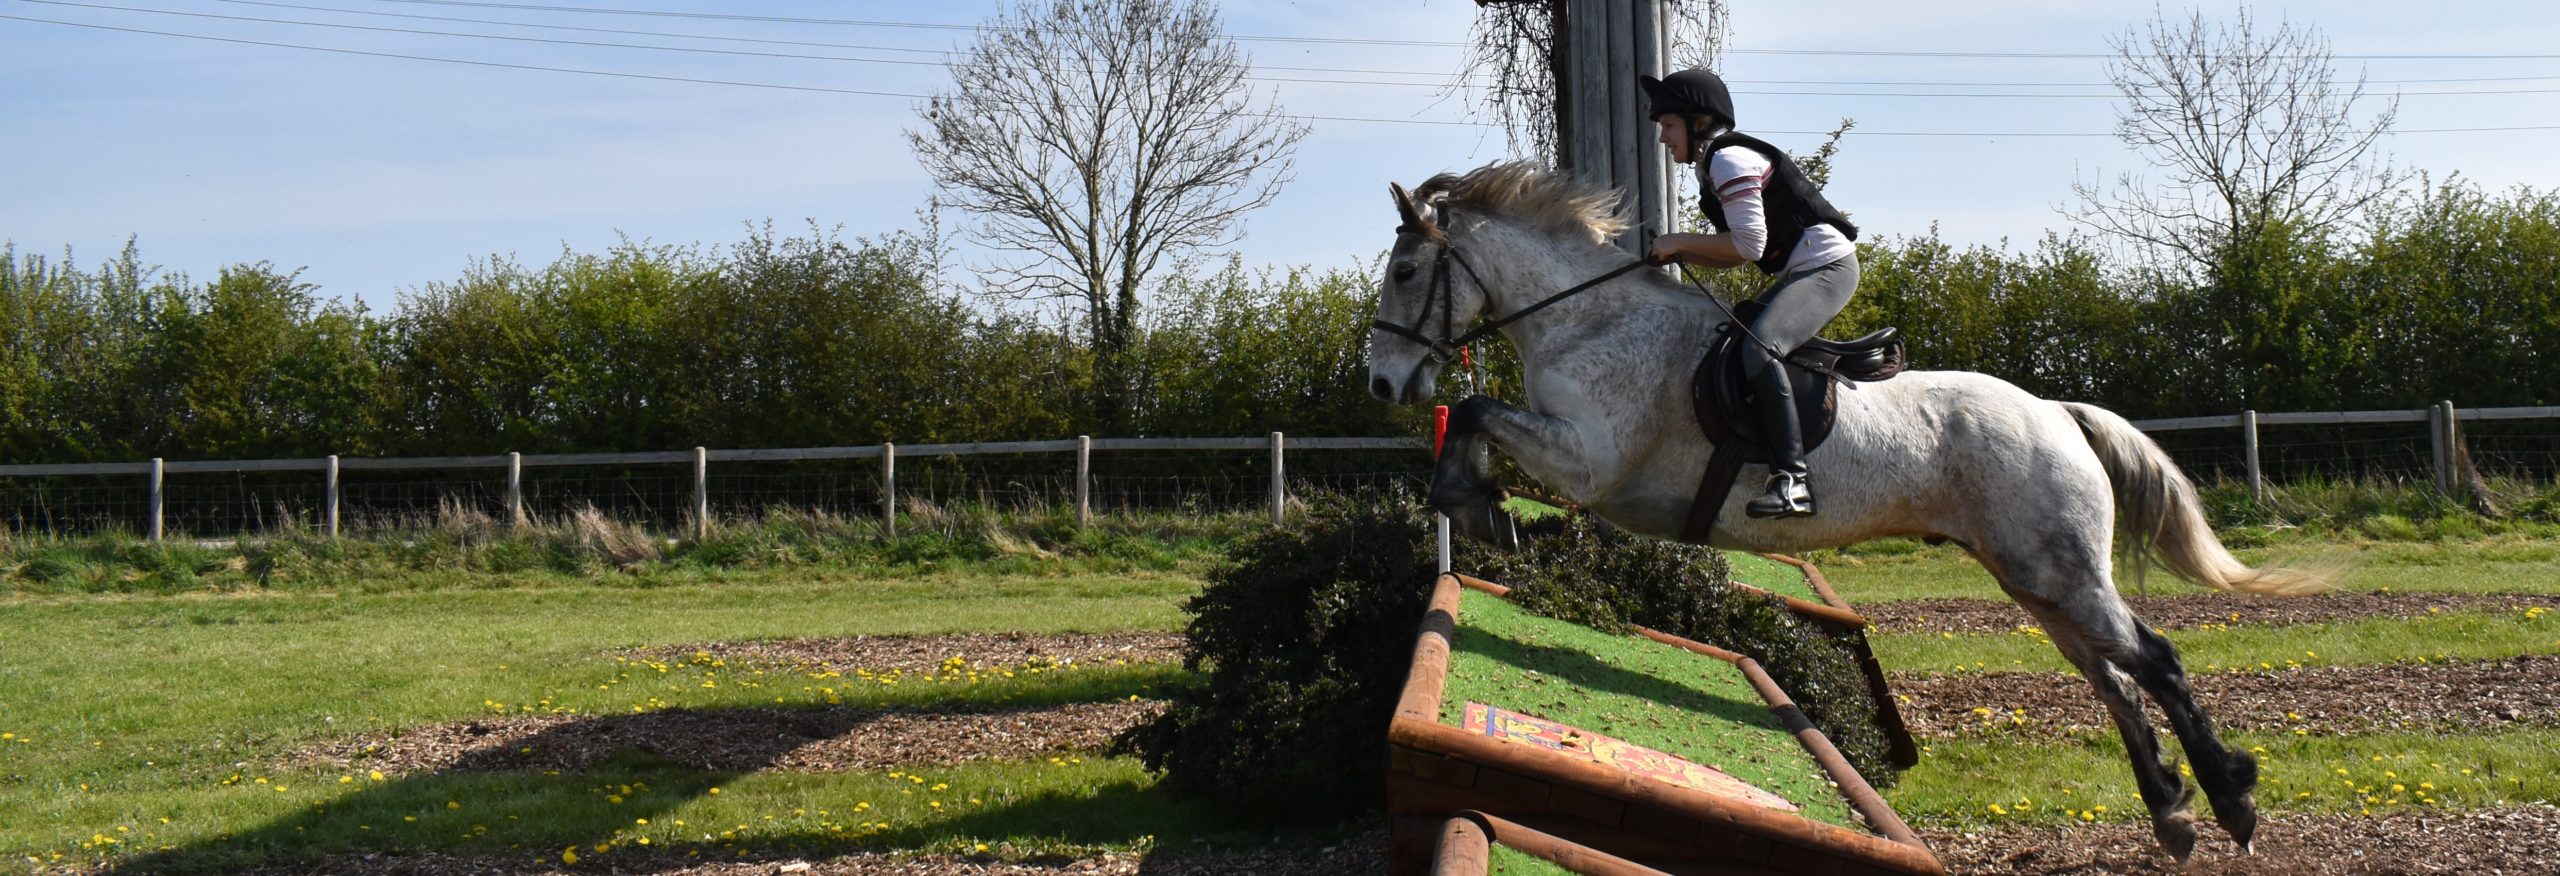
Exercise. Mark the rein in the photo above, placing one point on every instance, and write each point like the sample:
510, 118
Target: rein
1443, 285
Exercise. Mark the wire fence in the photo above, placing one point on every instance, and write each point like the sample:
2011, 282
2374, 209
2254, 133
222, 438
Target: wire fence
1182, 476
2442, 445
664, 491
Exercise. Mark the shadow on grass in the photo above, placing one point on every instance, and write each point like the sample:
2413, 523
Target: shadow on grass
514, 806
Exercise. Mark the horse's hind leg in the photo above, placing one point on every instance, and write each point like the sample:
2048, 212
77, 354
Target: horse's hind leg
2172, 820
2227, 776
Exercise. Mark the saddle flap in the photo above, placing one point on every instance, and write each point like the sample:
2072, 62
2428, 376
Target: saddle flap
1722, 401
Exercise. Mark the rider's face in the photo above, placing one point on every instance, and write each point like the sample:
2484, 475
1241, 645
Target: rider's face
1673, 132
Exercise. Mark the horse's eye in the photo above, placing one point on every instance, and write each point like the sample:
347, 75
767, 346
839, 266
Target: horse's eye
1403, 273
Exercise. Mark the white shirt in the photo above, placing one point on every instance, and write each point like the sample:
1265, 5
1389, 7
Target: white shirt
1736, 175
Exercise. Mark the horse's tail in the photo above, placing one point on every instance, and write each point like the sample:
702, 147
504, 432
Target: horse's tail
2159, 514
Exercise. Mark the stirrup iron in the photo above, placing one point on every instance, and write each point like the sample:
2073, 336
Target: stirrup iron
1787, 496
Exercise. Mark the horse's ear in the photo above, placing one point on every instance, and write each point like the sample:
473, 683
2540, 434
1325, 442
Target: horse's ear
1404, 206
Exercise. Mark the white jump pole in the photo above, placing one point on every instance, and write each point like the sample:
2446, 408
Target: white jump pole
1444, 542
1440, 430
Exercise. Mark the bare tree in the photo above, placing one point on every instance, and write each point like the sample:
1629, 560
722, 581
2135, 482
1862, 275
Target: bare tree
2249, 126
1095, 139
1515, 59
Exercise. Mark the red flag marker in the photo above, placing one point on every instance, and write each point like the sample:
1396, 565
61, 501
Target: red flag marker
1439, 428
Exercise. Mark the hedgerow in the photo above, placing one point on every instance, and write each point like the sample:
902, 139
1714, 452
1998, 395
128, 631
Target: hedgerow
1305, 635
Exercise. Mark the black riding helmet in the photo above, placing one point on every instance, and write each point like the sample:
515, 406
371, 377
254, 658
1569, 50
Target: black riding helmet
1691, 92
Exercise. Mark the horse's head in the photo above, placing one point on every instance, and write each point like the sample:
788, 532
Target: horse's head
1426, 297
1521, 226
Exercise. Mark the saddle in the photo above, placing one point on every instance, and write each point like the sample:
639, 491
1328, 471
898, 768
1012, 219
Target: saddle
1727, 410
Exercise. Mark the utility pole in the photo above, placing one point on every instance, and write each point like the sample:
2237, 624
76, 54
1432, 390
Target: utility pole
1604, 138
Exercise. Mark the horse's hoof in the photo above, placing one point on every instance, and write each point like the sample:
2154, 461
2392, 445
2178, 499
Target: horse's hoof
2241, 824
2177, 835
1482, 521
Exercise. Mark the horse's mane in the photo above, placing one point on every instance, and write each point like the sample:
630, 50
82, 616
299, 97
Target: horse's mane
1529, 193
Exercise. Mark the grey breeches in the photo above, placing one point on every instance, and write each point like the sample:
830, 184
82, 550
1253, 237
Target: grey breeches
1797, 306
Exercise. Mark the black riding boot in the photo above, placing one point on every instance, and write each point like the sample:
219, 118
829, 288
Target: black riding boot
1789, 494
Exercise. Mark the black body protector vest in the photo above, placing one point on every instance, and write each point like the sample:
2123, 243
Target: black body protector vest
1788, 200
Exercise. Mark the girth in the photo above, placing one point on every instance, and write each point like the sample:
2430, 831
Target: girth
1721, 398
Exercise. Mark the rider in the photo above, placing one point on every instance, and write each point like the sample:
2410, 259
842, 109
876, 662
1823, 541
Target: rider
1765, 212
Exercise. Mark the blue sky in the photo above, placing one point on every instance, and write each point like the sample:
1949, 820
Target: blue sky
382, 174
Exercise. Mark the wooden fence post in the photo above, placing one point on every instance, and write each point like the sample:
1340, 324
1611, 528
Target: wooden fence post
515, 488
1084, 480
701, 494
2441, 449
2451, 439
889, 489
2249, 449
157, 468
1279, 486
331, 515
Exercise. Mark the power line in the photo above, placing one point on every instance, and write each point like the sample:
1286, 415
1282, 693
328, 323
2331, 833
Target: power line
1431, 43
846, 22
595, 44
196, 36
2089, 56
647, 76
802, 56
875, 93
572, 27
753, 40
1443, 74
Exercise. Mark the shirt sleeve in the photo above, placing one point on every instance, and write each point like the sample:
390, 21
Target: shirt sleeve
1735, 176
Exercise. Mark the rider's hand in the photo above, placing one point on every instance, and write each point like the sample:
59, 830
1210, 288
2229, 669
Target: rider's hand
1675, 248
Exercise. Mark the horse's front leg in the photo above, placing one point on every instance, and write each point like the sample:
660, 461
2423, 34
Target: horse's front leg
1463, 485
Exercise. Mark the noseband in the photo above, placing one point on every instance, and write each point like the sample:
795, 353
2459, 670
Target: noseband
1443, 297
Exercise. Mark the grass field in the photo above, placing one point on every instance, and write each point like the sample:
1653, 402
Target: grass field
156, 723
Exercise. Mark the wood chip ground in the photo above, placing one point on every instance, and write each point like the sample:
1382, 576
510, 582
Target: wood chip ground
2459, 696
2198, 610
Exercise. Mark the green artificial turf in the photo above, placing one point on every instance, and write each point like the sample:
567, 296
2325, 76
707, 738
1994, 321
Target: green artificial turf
1633, 689
1771, 575
1508, 861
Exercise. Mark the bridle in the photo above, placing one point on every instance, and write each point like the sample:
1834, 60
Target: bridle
1443, 297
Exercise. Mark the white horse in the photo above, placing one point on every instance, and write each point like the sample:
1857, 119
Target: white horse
2031, 487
